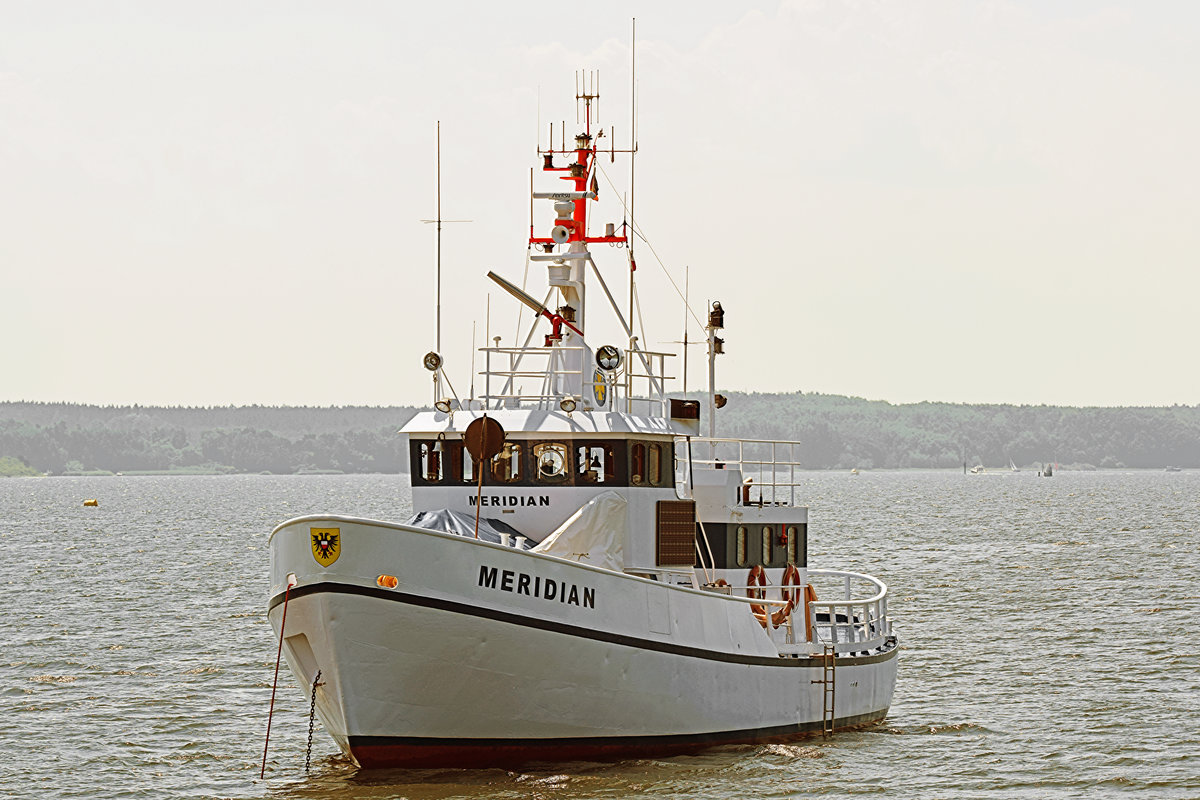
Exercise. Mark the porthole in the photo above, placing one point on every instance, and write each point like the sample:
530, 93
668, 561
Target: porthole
654, 464
637, 463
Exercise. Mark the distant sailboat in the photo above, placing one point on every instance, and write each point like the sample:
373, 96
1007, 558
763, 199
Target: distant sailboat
1012, 466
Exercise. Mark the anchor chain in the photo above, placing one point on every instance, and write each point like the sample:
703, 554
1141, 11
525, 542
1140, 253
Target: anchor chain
312, 718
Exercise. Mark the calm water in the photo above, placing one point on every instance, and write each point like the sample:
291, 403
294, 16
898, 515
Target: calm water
1049, 631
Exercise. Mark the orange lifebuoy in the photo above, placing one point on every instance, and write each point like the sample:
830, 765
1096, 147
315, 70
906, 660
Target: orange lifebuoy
791, 577
810, 596
757, 575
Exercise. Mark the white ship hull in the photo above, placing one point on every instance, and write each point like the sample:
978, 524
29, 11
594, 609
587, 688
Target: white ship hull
486, 655
668, 604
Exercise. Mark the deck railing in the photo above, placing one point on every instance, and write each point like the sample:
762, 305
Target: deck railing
543, 376
645, 371
768, 466
516, 368
850, 624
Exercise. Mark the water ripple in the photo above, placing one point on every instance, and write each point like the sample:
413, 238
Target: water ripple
1045, 628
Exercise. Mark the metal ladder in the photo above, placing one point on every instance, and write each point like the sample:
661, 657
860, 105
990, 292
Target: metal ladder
828, 677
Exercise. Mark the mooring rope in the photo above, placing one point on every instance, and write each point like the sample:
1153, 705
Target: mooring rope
275, 683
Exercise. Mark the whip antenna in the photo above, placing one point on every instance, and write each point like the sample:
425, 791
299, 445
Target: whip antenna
438, 254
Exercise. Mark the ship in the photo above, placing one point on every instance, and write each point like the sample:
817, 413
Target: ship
587, 575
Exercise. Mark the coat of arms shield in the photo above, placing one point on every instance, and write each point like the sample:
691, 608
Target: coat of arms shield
326, 545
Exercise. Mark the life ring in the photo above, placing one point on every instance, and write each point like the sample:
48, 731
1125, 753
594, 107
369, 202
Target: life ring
791, 577
757, 575
810, 596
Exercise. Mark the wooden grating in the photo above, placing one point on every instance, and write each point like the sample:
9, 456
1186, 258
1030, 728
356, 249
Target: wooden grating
675, 533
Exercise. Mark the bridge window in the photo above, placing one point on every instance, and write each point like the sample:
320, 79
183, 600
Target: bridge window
466, 465
432, 461
645, 463
607, 462
551, 461
506, 466
766, 544
595, 463
793, 539
741, 554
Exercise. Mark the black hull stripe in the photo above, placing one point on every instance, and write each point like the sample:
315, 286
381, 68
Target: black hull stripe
573, 630
377, 752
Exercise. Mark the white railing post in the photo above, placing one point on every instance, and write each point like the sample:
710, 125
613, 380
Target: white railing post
487, 377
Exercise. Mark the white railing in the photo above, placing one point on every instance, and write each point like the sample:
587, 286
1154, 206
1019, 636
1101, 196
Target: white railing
851, 625
519, 367
768, 466
543, 376
647, 371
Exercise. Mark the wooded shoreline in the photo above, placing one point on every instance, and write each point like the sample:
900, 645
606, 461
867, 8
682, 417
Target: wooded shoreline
836, 432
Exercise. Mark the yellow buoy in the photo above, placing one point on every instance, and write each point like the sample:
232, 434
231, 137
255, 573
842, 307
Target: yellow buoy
91, 502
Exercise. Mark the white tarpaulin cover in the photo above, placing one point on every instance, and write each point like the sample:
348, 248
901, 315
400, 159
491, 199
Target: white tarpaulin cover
595, 534
458, 522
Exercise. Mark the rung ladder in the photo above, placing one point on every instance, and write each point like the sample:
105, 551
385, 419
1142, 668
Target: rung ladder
828, 677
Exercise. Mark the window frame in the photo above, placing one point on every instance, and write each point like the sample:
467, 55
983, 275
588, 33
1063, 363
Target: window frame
518, 475
539, 451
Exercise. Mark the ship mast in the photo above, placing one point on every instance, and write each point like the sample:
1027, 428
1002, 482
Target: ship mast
632, 155
565, 250
570, 207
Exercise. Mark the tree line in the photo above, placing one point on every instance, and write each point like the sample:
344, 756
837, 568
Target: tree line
848, 432
59, 438
836, 432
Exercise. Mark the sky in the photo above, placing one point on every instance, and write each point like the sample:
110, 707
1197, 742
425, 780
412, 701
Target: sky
220, 203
